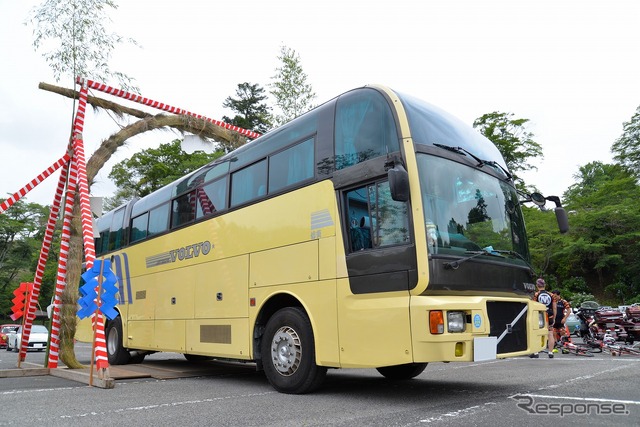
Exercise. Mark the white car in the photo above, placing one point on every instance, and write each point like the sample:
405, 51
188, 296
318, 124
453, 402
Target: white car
38, 338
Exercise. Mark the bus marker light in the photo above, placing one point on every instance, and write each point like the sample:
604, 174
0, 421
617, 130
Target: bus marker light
436, 322
459, 349
252, 302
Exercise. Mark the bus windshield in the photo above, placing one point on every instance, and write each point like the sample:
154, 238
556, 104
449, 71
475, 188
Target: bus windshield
468, 210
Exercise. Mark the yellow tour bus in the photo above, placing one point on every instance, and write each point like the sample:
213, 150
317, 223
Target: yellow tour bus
375, 231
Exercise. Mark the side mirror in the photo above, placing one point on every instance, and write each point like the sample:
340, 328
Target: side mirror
563, 221
538, 199
399, 183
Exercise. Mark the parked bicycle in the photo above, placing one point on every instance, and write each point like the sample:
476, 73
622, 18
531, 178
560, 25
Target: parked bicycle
569, 347
609, 346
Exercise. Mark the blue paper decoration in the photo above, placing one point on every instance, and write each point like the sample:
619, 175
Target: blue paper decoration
89, 295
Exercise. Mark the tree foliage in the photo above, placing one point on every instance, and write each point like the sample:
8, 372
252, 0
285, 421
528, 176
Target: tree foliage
626, 148
606, 225
513, 140
293, 95
545, 243
151, 169
21, 233
253, 114
601, 253
74, 41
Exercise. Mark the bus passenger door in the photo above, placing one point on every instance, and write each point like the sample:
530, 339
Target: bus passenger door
374, 321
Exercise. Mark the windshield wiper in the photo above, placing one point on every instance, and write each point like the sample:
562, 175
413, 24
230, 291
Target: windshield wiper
455, 264
499, 166
491, 252
481, 162
517, 255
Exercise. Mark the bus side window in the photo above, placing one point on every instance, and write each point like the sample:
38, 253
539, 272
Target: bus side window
184, 209
117, 230
375, 219
291, 166
211, 198
246, 183
139, 227
364, 128
158, 220
358, 210
102, 242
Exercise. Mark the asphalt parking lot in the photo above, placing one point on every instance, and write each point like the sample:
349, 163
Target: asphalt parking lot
601, 390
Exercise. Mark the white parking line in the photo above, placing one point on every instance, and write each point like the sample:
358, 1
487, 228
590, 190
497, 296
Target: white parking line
471, 410
584, 377
40, 390
163, 405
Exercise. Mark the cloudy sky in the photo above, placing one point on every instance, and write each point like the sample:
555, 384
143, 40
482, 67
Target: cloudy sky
571, 67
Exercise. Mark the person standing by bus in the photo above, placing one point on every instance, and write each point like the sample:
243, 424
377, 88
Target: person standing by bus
550, 301
563, 309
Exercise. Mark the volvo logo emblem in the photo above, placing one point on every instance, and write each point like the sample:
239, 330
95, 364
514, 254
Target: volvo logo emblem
509, 328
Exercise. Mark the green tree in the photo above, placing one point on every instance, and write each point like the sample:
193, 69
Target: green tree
589, 180
74, 41
293, 95
21, 233
545, 243
576, 284
151, 169
513, 140
626, 148
253, 114
605, 222
578, 298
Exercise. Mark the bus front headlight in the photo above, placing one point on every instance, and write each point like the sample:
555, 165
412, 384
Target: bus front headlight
455, 321
540, 319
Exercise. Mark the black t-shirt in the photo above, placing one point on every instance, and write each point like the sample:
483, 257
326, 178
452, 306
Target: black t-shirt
544, 297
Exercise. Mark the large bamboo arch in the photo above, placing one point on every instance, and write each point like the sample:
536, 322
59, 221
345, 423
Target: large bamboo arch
227, 138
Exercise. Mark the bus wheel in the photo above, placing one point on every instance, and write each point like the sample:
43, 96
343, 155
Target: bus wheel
116, 352
402, 372
288, 353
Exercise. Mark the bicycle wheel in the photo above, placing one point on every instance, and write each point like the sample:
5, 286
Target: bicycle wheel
594, 347
629, 350
611, 350
581, 350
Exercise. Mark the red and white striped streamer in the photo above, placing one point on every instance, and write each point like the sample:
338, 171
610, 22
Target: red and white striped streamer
42, 260
61, 278
164, 107
102, 361
83, 186
31, 185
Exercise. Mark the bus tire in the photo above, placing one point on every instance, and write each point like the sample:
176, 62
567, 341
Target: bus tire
288, 353
116, 353
402, 372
